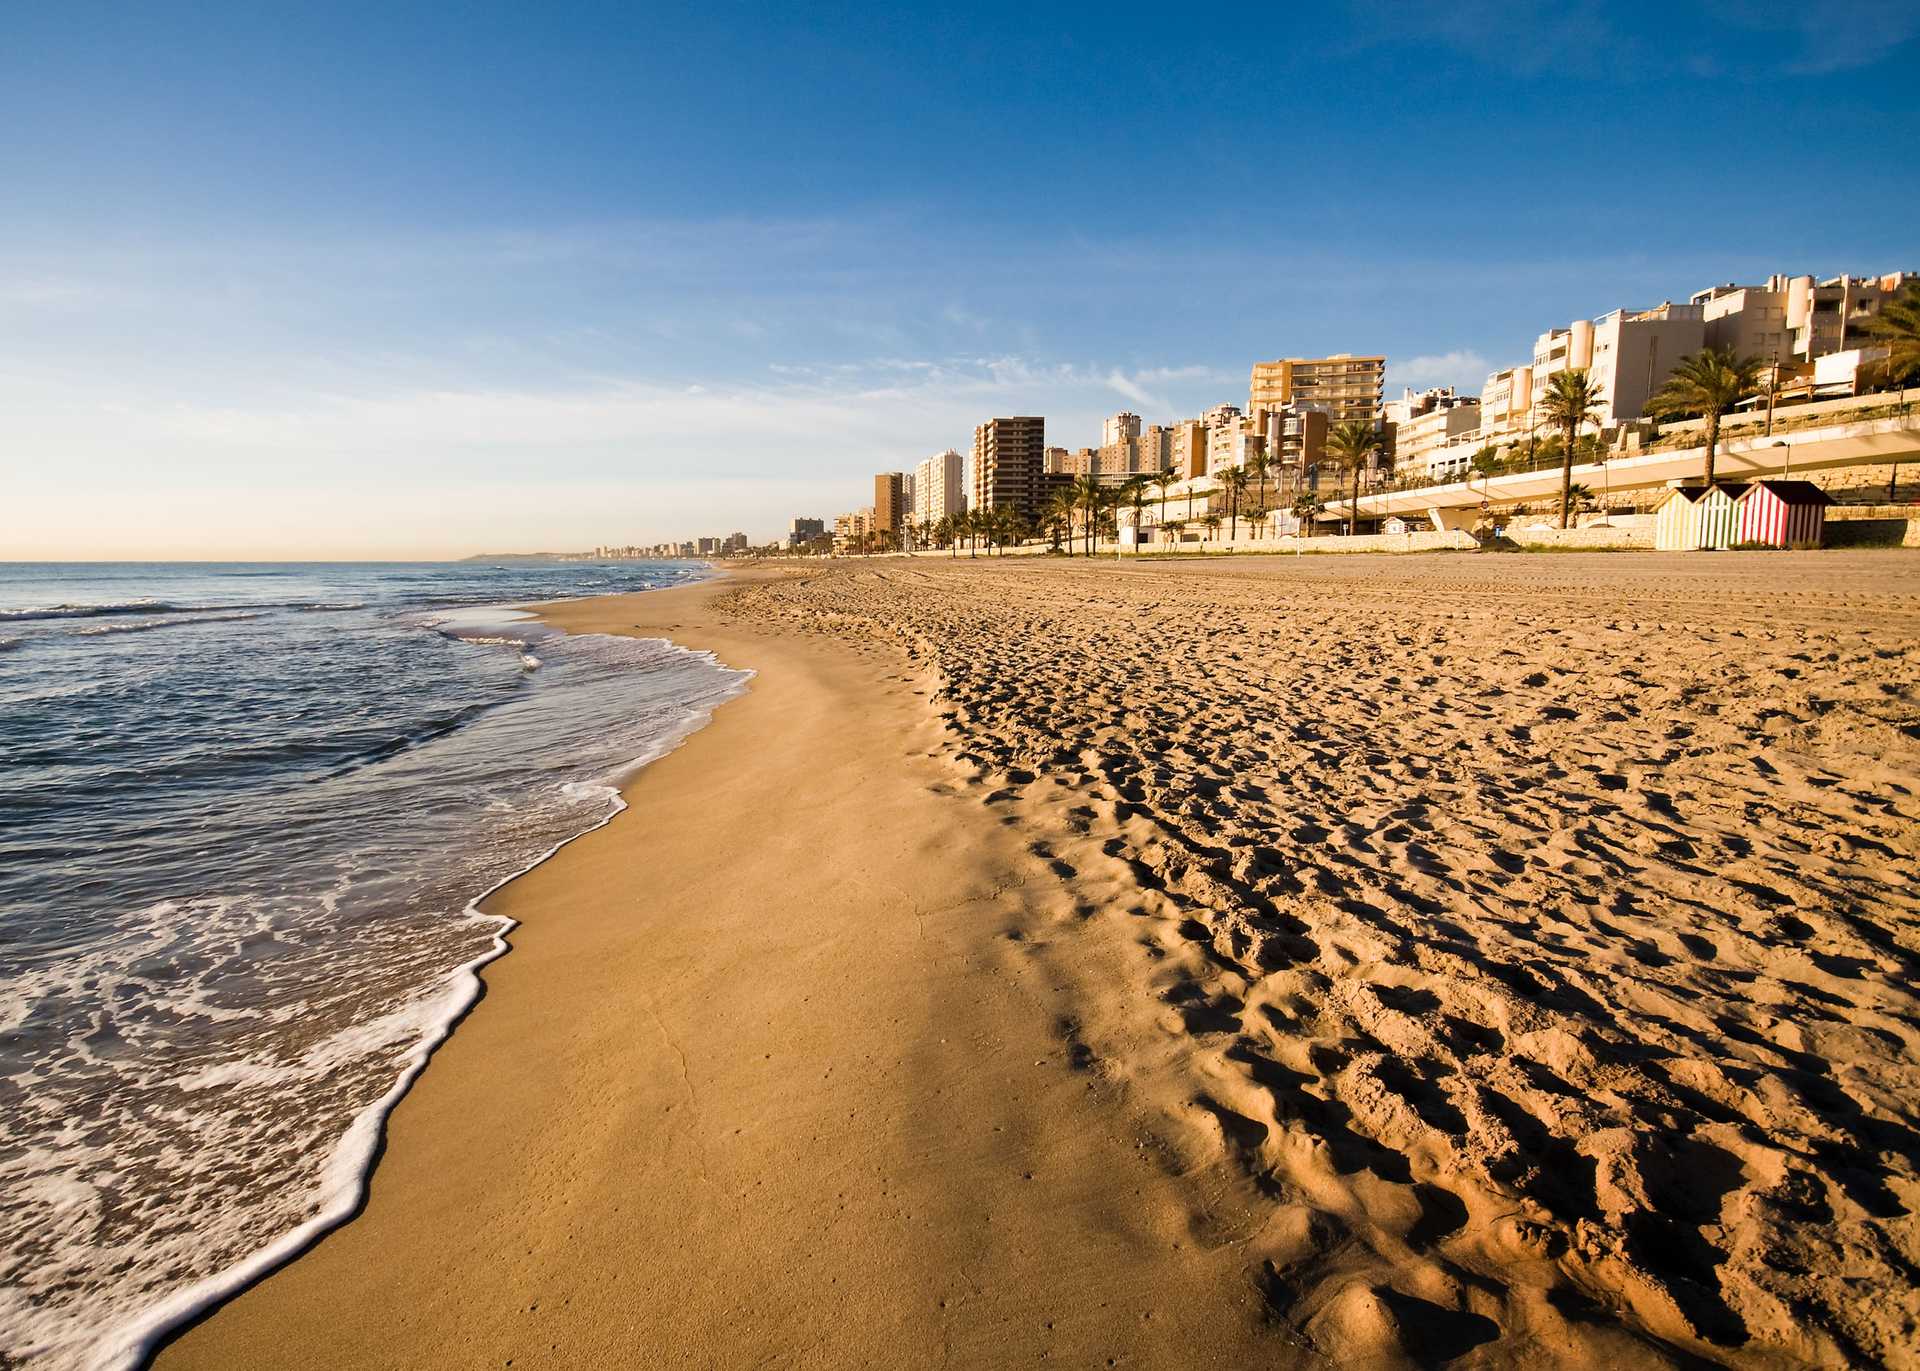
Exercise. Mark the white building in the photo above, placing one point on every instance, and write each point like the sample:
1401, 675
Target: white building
939, 487
1422, 424
1119, 429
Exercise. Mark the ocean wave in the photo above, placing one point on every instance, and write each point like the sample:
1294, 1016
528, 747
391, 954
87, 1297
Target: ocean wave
151, 606
142, 625
142, 606
8, 644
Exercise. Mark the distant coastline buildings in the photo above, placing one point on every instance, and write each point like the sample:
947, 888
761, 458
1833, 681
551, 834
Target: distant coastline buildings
1810, 332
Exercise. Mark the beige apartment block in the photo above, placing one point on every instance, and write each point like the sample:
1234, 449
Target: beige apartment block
850, 530
1628, 352
1009, 464
891, 503
1119, 429
1426, 429
939, 487
1187, 448
1506, 405
1797, 318
1231, 442
1343, 385
1751, 321
1153, 449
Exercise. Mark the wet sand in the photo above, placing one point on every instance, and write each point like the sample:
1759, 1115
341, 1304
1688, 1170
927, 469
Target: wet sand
1507, 960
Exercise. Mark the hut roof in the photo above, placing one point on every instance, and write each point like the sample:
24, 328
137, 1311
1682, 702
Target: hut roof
1691, 494
1795, 492
1733, 490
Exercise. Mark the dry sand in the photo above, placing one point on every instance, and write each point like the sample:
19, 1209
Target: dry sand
1372, 961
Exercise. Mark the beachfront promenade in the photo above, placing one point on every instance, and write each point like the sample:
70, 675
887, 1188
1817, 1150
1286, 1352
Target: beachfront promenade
1864, 443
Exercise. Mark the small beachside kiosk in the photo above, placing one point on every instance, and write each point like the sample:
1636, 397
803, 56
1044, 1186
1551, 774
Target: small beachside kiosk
1783, 514
1696, 518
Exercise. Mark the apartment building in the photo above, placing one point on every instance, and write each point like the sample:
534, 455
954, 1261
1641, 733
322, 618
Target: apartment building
1296, 439
1153, 449
1422, 424
1343, 385
1142, 454
1796, 322
1009, 464
1233, 442
1506, 405
1749, 320
804, 531
939, 487
1119, 429
1187, 448
892, 503
1629, 353
852, 530
1825, 317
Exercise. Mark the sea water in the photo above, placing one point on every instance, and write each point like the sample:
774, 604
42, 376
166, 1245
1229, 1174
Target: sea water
246, 812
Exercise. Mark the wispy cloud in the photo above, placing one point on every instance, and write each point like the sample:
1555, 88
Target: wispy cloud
1702, 39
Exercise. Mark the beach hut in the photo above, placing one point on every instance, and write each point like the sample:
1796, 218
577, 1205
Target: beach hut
1697, 517
1783, 514
1674, 527
1719, 520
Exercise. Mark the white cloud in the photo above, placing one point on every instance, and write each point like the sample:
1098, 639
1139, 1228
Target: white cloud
1461, 368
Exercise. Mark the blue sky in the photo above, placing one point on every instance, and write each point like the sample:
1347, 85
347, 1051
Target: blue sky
389, 279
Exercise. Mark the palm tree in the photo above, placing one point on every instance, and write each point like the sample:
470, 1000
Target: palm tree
1165, 478
1306, 508
1897, 328
1710, 382
1089, 495
1257, 467
1212, 522
1350, 444
1572, 402
1009, 527
1236, 483
1059, 514
1134, 495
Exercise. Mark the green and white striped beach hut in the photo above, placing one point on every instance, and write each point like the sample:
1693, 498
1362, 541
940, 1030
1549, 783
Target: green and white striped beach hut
1719, 521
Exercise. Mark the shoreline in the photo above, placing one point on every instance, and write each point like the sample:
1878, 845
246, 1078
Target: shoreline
506, 1172
347, 1171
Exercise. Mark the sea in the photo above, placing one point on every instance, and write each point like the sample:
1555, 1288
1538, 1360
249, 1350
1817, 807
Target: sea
247, 813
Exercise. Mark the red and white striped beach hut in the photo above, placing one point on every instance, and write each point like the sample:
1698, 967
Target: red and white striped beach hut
1783, 514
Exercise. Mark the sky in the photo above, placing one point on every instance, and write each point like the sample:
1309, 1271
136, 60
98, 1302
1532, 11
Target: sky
389, 280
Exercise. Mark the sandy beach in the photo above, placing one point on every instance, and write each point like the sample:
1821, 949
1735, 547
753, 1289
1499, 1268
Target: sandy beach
1333, 961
